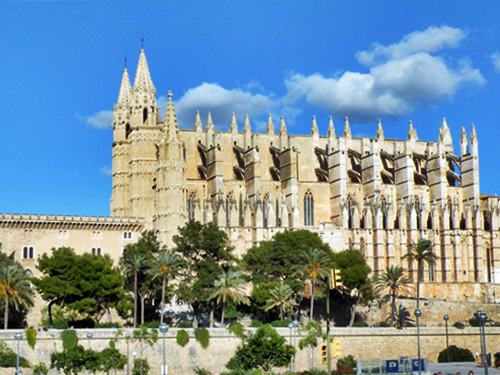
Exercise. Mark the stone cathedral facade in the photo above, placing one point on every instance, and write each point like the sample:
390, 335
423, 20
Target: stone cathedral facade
377, 195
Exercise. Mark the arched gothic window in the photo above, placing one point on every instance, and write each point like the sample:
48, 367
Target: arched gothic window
489, 263
308, 209
191, 206
265, 210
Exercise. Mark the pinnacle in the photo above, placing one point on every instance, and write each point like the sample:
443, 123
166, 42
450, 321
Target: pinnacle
314, 126
233, 127
270, 125
198, 126
412, 133
210, 124
246, 125
380, 130
171, 118
347, 128
331, 128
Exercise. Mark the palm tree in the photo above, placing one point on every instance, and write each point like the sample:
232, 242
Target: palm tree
421, 252
316, 267
280, 297
15, 290
392, 282
229, 287
165, 266
134, 264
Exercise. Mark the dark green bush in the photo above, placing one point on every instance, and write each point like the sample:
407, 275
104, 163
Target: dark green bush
69, 339
384, 323
348, 360
315, 371
202, 336
8, 357
182, 337
256, 324
185, 324
459, 325
473, 322
237, 329
40, 369
456, 354
360, 324
108, 325
141, 367
153, 324
31, 337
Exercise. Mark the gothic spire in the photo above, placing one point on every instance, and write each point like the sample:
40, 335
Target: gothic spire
233, 127
380, 130
412, 133
347, 128
198, 126
283, 130
314, 127
463, 142
125, 89
246, 126
210, 124
171, 118
143, 80
444, 133
473, 141
331, 128
270, 125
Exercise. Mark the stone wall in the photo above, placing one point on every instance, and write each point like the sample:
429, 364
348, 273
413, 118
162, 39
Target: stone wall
362, 343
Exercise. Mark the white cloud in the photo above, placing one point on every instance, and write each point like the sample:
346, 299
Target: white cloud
221, 102
107, 171
495, 59
430, 40
408, 77
98, 120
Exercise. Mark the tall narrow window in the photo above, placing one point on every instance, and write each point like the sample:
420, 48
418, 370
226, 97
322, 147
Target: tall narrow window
28, 252
96, 251
432, 273
308, 209
191, 206
489, 273
265, 210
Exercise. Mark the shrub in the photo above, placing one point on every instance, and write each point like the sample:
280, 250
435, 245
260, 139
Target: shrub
69, 339
360, 324
455, 354
201, 371
348, 360
281, 323
153, 324
384, 323
315, 371
31, 337
459, 325
8, 357
237, 329
141, 367
107, 325
473, 322
202, 336
40, 369
111, 359
182, 337
256, 324
264, 350
185, 324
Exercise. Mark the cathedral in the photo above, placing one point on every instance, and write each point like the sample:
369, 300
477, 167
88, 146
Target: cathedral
377, 195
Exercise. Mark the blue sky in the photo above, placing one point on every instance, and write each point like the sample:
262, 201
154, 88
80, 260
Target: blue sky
62, 61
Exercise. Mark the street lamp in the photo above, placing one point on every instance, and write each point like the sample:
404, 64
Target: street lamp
164, 330
446, 318
18, 337
295, 324
481, 319
89, 336
418, 313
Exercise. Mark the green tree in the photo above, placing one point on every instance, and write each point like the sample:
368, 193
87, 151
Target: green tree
206, 253
315, 266
137, 262
165, 266
229, 287
15, 290
84, 283
354, 271
282, 298
75, 360
392, 282
111, 359
422, 253
264, 350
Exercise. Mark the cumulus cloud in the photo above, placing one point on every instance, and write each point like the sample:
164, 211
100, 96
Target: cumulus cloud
107, 171
408, 76
495, 59
98, 120
221, 102
430, 40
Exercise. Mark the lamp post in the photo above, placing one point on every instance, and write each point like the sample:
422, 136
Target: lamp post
446, 318
89, 337
418, 313
481, 318
290, 327
18, 337
164, 330
295, 324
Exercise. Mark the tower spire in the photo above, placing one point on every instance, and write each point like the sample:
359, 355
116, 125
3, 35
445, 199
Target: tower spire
463, 142
210, 124
270, 125
331, 128
412, 133
143, 80
444, 133
246, 125
171, 125
314, 127
125, 89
